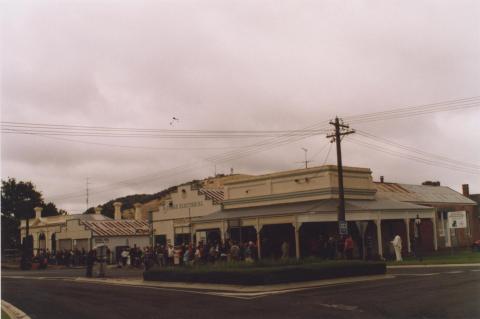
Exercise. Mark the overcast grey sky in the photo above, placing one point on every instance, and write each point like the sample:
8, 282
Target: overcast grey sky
232, 65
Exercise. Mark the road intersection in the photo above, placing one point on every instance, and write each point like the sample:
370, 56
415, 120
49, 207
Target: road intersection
446, 292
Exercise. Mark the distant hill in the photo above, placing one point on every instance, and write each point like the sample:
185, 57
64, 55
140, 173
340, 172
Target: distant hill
129, 201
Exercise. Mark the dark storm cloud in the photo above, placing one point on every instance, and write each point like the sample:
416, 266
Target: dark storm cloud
232, 65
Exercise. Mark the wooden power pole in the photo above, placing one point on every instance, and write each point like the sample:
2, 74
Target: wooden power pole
340, 130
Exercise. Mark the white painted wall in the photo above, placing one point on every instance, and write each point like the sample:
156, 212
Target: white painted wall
186, 204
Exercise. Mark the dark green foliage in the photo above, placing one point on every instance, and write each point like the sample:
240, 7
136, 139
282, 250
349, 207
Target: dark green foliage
262, 274
18, 200
129, 201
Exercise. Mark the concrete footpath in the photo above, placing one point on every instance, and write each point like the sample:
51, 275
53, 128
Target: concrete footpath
433, 266
13, 312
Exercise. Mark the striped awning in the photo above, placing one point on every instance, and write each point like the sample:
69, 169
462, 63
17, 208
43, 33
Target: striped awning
124, 227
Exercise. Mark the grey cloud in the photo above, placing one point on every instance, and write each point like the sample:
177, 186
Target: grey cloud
232, 65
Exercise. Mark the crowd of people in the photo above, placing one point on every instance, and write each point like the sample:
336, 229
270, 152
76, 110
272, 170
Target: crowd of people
66, 257
337, 247
188, 254
200, 253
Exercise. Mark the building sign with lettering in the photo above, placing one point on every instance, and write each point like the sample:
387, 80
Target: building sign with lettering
100, 240
457, 219
186, 205
141, 231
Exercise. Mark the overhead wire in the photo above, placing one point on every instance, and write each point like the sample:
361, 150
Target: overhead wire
417, 151
411, 111
292, 136
328, 154
254, 148
411, 157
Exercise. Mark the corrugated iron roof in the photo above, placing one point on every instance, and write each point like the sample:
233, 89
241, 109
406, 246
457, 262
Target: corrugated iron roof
321, 206
216, 195
124, 227
421, 194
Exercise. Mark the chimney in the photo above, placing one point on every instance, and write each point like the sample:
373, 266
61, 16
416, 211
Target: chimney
430, 183
381, 179
118, 211
138, 211
231, 170
38, 212
98, 210
465, 190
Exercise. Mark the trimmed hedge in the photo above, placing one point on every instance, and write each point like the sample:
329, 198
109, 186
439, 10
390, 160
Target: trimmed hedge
263, 275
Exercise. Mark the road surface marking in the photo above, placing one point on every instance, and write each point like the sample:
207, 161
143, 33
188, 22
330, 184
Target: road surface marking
342, 307
429, 274
434, 266
474, 269
212, 292
454, 272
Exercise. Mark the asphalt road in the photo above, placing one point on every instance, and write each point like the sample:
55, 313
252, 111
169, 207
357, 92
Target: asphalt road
413, 293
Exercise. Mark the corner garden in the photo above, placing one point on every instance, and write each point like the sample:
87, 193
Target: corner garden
265, 272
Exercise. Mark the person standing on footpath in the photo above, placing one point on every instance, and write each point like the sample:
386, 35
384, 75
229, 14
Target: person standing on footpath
348, 247
397, 246
285, 250
90, 261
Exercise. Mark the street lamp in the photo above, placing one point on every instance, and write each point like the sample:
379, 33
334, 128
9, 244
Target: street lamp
418, 221
417, 240
26, 260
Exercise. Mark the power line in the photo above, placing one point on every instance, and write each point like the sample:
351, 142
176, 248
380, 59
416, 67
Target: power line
136, 146
225, 157
274, 142
328, 154
130, 132
410, 111
417, 151
412, 157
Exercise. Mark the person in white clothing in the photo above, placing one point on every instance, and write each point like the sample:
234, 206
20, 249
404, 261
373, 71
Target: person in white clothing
397, 245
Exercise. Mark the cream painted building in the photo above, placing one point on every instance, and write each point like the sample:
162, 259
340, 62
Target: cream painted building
43, 229
86, 231
172, 221
299, 205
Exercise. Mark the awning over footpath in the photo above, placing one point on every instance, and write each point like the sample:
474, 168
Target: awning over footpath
112, 228
312, 207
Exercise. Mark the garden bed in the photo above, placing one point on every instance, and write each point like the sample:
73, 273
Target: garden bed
265, 273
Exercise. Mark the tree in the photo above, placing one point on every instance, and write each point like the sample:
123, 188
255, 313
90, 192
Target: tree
18, 202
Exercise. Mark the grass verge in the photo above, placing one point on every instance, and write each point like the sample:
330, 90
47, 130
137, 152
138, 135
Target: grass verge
265, 272
443, 257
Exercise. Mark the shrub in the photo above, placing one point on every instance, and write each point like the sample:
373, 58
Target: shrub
265, 272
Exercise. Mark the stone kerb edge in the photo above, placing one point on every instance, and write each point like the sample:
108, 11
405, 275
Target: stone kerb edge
13, 311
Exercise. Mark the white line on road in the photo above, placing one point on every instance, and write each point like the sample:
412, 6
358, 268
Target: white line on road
434, 266
430, 274
341, 307
454, 272
474, 269
230, 294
